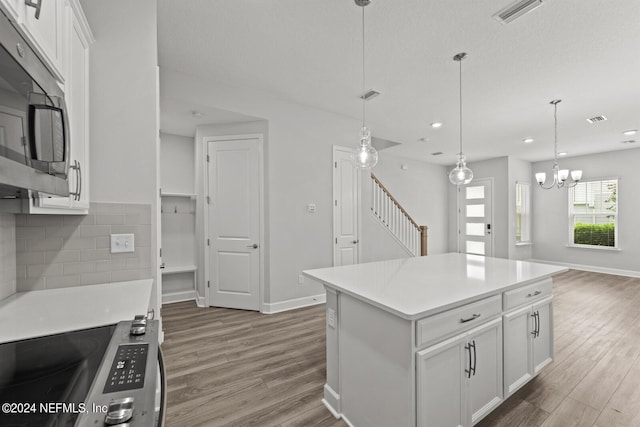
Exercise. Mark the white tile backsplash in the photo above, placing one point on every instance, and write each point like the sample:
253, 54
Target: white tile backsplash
7, 255
57, 251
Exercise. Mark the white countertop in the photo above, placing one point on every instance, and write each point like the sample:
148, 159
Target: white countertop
417, 287
38, 313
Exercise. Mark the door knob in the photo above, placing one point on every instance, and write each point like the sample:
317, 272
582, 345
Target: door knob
355, 242
254, 246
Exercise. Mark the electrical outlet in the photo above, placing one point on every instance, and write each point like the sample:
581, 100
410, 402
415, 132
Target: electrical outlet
331, 317
122, 243
300, 279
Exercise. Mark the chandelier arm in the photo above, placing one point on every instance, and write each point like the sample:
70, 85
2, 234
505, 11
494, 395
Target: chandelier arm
553, 184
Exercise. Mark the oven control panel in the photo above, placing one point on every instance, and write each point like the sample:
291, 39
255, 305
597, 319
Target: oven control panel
128, 368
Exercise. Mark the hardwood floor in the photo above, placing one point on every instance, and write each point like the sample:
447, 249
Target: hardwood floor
237, 368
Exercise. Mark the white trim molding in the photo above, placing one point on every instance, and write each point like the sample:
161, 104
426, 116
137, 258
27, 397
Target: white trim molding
179, 297
592, 268
292, 304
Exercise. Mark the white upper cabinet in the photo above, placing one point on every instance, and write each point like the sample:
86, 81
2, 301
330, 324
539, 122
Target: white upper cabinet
42, 22
77, 39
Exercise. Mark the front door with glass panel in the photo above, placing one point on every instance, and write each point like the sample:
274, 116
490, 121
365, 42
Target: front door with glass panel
475, 231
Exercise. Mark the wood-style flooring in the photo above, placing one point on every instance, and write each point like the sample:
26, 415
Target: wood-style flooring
237, 368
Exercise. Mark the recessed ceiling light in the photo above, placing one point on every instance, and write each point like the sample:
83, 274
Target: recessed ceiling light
437, 153
423, 139
630, 132
197, 114
629, 141
436, 125
562, 153
527, 140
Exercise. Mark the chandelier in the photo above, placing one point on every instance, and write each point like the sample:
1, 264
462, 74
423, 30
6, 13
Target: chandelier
560, 176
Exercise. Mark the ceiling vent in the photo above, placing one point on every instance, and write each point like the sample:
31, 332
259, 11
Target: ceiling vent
369, 95
629, 141
516, 10
597, 119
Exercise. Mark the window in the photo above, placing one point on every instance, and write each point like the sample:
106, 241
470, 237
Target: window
523, 212
593, 213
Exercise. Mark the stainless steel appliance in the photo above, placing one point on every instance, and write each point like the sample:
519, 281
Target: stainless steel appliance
34, 133
109, 375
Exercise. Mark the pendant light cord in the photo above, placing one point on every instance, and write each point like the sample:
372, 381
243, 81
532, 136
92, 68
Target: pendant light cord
363, 71
460, 154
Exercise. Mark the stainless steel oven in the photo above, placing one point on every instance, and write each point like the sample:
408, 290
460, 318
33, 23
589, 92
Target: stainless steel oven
109, 375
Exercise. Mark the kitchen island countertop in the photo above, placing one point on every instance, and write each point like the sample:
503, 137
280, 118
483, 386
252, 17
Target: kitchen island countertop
32, 314
412, 288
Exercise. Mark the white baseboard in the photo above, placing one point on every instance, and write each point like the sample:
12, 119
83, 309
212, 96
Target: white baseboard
592, 268
179, 297
292, 304
200, 302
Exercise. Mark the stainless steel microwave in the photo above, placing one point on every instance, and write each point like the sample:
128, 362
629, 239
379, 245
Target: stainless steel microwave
34, 130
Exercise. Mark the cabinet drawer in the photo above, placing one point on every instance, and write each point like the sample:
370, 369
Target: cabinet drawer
527, 294
456, 320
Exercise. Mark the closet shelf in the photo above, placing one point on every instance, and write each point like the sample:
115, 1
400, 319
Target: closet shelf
168, 194
179, 269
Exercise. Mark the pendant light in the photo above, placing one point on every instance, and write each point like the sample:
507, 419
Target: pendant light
559, 175
364, 156
461, 174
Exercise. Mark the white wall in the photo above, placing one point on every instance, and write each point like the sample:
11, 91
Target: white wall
177, 164
550, 208
496, 169
519, 171
124, 107
421, 189
7, 255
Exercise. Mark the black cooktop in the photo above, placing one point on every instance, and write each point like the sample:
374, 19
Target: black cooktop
44, 381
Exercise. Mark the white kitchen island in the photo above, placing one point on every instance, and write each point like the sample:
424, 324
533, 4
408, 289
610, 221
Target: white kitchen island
433, 341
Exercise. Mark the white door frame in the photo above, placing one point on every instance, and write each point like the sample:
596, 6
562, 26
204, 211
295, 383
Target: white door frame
335, 212
207, 248
460, 239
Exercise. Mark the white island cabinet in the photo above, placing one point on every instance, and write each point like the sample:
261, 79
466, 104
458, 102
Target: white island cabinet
433, 341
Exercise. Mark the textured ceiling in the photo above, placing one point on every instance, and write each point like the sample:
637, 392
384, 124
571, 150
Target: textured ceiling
585, 52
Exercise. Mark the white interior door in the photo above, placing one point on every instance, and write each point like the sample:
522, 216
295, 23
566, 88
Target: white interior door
234, 222
475, 231
345, 208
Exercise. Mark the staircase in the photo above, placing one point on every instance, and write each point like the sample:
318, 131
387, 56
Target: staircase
386, 209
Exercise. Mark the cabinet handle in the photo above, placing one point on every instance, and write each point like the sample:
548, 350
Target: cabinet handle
475, 359
468, 371
469, 319
79, 182
37, 4
76, 168
536, 324
533, 294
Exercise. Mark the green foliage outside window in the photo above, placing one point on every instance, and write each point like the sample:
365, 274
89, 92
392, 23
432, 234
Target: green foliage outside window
594, 234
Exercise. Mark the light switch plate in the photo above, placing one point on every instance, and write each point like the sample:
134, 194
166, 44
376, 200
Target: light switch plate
122, 243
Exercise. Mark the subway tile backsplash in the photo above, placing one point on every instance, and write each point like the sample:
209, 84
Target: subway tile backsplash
55, 251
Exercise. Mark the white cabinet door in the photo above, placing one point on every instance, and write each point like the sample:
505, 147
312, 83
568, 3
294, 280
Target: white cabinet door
46, 31
485, 377
77, 95
77, 100
442, 383
543, 337
517, 349
12, 7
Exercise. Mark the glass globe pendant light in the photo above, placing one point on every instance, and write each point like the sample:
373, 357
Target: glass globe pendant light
364, 156
461, 174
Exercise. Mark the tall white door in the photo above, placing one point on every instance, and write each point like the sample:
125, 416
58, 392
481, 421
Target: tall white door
234, 222
475, 233
345, 208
